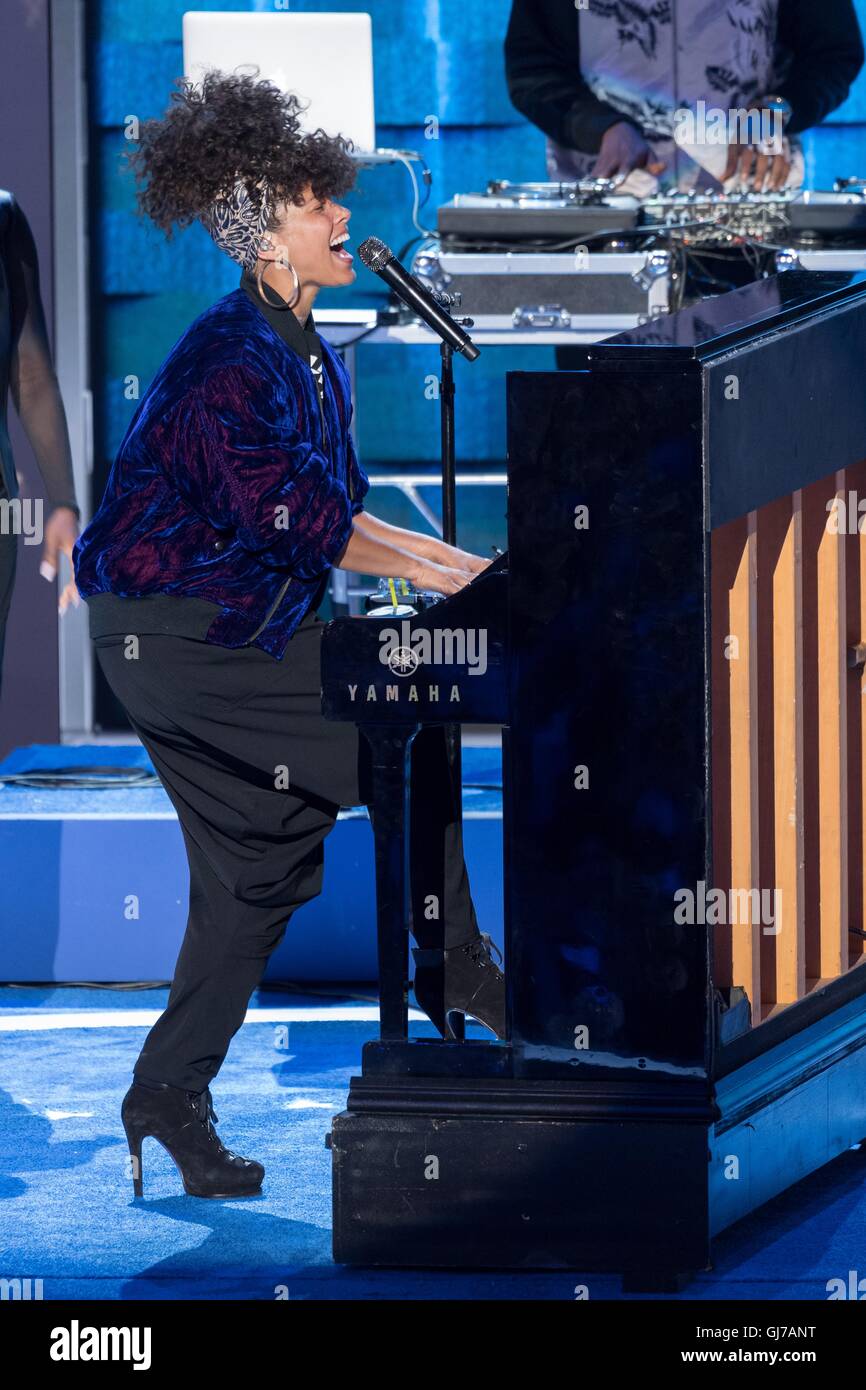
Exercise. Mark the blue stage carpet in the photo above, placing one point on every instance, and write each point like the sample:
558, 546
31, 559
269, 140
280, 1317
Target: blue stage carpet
67, 1215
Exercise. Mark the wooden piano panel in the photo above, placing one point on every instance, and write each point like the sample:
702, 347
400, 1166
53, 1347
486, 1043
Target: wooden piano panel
788, 744
782, 586
856, 634
735, 740
832, 675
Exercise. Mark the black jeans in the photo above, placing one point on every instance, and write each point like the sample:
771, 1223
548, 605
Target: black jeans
257, 776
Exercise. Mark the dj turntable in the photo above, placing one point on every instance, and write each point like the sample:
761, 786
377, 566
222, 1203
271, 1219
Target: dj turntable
521, 212
568, 255
559, 215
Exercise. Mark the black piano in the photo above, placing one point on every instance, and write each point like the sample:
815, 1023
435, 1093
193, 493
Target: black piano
664, 1073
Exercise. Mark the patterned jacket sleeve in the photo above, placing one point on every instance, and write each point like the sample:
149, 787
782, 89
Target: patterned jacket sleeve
243, 460
359, 483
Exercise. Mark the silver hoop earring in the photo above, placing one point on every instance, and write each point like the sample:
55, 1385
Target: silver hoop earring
260, 270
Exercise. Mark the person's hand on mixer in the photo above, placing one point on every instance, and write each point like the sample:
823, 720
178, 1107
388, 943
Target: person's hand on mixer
764, 160
623, 148
763, 167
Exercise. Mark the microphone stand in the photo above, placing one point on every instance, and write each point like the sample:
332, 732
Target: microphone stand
449, 514
449, 470
449, 535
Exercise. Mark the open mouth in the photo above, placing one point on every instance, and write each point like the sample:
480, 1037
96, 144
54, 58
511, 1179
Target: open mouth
338, 249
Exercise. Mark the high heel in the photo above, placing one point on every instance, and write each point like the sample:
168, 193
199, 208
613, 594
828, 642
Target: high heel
474, 986
183, 1122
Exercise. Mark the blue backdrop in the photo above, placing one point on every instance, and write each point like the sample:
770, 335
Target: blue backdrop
432, 57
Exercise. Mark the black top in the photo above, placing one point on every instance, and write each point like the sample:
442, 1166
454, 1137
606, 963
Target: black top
26, 368
545, 83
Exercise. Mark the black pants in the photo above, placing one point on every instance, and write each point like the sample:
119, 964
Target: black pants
257, 776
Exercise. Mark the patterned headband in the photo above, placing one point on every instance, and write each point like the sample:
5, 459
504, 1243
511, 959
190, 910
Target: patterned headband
237, 222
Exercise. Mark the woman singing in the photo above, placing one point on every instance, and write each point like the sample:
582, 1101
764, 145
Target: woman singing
235, 490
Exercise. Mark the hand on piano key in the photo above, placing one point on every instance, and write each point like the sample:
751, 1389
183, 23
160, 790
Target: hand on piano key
376, 547
447, 579
452, 558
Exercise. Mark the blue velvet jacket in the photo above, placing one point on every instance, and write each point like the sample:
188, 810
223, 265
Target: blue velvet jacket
222, 489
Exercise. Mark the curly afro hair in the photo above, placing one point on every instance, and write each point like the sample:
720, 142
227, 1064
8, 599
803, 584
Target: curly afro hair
232, 126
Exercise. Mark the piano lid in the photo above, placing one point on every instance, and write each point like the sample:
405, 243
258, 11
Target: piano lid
723, 321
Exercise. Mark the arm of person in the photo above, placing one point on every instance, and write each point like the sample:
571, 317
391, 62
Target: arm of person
36, 395
371, 551
391, 552
545, 83
239, 458
826, 54
429, 548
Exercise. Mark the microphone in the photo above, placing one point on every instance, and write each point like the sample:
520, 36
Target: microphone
379, 258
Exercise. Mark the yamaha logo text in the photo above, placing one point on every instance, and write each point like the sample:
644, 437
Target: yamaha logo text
403, 650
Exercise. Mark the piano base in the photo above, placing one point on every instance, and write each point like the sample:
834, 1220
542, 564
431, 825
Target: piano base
447, 1157
463, 1173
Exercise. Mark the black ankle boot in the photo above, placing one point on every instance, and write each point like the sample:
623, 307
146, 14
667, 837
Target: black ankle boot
183, 1122
474, 986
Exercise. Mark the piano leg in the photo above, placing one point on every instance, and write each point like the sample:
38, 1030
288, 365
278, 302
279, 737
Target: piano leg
436, 849
421, 881
390, 786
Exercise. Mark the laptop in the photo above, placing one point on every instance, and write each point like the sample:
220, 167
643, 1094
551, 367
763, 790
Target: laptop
327, 59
